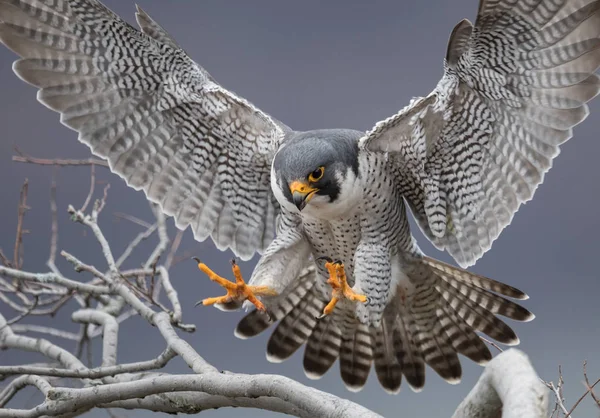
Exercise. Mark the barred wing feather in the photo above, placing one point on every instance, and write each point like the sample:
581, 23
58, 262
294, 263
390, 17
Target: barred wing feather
160, 120
471, 152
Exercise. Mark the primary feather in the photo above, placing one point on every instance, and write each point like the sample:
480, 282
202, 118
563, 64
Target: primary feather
159, 119
476, 148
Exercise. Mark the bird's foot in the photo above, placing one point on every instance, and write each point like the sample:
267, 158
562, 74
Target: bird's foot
236, 292
340, 288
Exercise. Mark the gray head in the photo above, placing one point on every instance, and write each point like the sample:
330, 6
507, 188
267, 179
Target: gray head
316, 171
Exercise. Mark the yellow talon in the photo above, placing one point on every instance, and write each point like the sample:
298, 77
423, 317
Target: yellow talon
340, 288
238, 291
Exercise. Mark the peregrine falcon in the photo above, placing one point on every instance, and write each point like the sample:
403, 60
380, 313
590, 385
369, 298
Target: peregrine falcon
340, 269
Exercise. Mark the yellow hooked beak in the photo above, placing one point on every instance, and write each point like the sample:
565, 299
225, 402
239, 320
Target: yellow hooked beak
302, 192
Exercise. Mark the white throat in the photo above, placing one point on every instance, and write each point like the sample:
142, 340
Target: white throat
320, 207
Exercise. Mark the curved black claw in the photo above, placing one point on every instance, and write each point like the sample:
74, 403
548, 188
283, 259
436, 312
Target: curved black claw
269, 315
338, 261
196, 259
233, 262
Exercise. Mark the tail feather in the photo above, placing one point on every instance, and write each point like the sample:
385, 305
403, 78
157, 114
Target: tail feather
256, 322
429, 323
322, 348
489, 301
387, 366
408, 354
295, 328
477, 317
356, 356
434, 345
455, 274
462, 337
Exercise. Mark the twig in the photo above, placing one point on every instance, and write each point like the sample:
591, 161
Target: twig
95, 373
23, 314
18, 256
54, 228
174, 247
589, 390
133, 219
88, 199
23, 158
161, 247
99, 204
493, 344
91, 222
135, 242
171, 293
587, 383
557, 390
44, 330
54, 278
4, 260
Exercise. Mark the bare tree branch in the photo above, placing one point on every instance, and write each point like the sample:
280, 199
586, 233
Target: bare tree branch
110, 335
19, 383
508, 384
24, 158
590, 388
99, 372
23, 328
18, 256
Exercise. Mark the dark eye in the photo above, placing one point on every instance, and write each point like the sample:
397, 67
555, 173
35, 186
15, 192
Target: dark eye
316, 175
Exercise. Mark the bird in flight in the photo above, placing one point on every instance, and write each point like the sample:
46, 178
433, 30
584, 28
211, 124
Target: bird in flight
327, 209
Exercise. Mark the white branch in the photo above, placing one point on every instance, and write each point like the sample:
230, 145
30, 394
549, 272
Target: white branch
181, 347
110, 335
136, 241
8, 339
19, 383
45, 330
54, 278
508, 384
171, 293
294, 398
96, 373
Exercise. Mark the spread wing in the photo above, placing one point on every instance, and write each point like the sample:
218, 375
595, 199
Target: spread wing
164, 125
476, 148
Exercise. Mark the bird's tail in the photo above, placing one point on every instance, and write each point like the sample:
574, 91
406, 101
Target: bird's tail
432, 323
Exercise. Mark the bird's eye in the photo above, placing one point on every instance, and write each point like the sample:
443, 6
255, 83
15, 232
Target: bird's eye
316, 175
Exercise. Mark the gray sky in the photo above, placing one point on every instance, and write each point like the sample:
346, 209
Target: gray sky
315, 64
